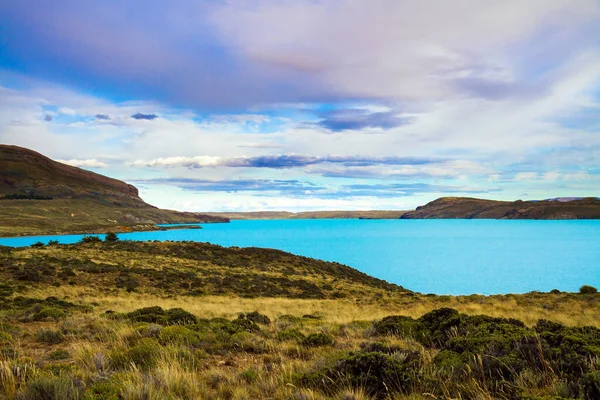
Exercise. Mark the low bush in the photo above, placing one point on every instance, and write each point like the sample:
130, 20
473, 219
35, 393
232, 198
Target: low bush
591, 386
111, 237
174, 316
49, 336
376, 373
586, 289
58, 355
90, 239
318, 340
256, 317
178, 334
144, 354
46, 387
290, 334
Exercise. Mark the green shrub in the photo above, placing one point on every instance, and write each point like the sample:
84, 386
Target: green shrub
46, 387
379, 347
5, 338
376, 373
49, 313
174, 316
90, 239
402, 326
58, 355
144, 354
38, 244
591, 386
104, 389
256, 317
111, 237
586, 289
53, 242
250, 375
449, 360
49, 336
290, 334
318, 340
178, 334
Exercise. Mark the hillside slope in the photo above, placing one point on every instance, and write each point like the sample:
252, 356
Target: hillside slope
42, 196
468, 208
186, 268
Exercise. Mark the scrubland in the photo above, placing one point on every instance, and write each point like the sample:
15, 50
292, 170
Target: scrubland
127, 320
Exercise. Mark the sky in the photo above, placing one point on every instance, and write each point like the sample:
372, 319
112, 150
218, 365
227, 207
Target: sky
248, 105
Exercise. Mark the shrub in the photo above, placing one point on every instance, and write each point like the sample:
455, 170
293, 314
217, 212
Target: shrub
144, 354
90, 239
5, 338
290, 334
49, 336
178, 334
53, 242
49, 313
104, 389
174, 316
449, 360
50, 388
178, 316
318, 340
591, 386
399, 325
256, 317
375, 373
58, 355
111, 237
38, 244
586, 289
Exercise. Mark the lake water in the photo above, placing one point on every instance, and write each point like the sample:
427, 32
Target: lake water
429, 256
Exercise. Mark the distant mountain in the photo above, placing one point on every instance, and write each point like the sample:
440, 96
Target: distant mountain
466, 207
42, 196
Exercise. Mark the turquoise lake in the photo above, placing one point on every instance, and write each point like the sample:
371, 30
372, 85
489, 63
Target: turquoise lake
429, 256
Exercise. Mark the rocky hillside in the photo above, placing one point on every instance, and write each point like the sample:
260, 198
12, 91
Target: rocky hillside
42, 196
465, 207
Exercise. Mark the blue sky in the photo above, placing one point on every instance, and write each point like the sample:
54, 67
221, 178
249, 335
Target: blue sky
306, 105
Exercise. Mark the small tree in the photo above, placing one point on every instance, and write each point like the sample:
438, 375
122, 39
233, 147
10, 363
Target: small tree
586, 289
111, 237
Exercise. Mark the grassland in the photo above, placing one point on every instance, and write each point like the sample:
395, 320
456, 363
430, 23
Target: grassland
125, 320
61, 216
368, 214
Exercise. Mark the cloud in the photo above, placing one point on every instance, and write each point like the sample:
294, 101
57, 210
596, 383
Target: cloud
289, 187
245, 53
357, 119
278, 161
149, 117
48, 118
304, 189
104, 117
89, 163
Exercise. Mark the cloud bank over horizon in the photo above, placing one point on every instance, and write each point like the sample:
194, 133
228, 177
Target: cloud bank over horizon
263, 104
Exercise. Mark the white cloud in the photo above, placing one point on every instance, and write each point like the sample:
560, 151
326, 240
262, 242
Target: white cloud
89, 163
526, 176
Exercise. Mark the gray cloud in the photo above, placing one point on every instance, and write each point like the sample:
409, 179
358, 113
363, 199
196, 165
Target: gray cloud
104, 117
48, 118
357, 119
149, 117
